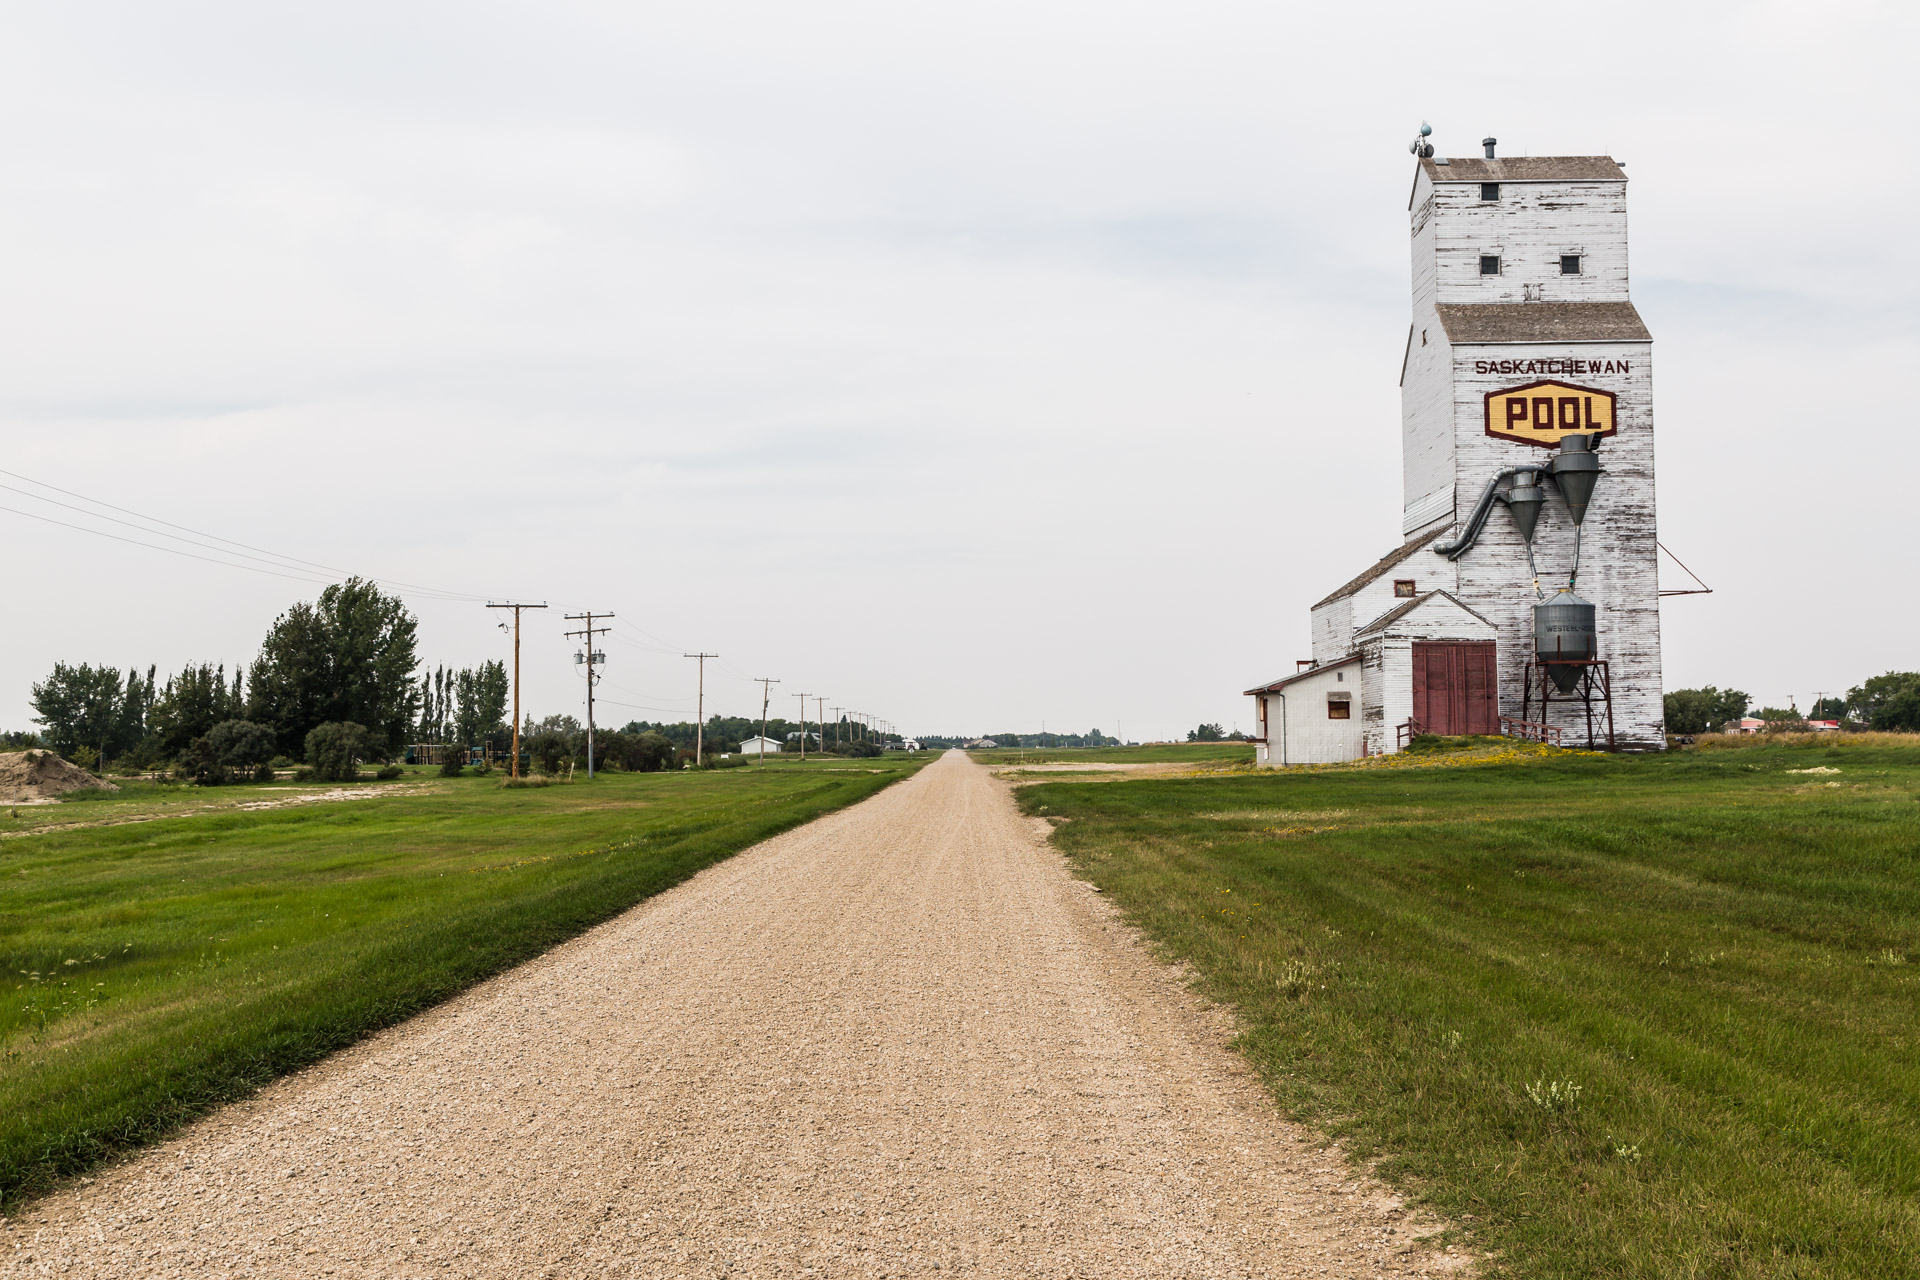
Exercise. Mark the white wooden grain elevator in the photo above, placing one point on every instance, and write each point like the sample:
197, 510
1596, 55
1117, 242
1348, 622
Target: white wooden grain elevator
1526, 365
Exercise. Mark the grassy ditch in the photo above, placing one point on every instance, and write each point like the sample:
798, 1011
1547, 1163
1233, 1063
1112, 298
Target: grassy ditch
168, 961
1622, 1017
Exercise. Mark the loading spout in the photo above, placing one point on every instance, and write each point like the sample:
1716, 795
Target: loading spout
1481, 509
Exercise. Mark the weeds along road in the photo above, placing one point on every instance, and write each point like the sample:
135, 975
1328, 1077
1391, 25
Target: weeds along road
900, 1040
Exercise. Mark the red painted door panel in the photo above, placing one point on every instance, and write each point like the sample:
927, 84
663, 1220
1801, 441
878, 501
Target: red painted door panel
1455, 689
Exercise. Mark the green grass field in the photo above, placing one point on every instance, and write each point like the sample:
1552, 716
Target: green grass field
1615, 1016
1156, 753
183, 950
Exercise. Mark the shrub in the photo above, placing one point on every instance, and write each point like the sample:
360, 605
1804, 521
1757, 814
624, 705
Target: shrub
335, 749
263, 773
454, 763
303, 774
241, 745
646, 752
201, 765
388, 772
547, 749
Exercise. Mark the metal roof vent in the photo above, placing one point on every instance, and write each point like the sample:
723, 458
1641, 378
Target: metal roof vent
1489, 144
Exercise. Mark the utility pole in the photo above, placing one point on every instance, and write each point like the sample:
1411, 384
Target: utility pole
820, 714
836, 727
766, 691
592, 660
803, 725
515, 771
700, 716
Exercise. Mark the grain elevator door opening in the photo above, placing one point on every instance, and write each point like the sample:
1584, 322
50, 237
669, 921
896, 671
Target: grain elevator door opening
1454, 687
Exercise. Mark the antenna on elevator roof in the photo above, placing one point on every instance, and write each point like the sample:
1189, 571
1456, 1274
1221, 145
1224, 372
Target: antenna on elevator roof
1420, 146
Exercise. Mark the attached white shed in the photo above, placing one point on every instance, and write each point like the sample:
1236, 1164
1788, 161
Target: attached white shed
1310, 717
760, 746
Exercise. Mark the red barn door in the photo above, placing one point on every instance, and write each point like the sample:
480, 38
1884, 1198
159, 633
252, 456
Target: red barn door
1454, 687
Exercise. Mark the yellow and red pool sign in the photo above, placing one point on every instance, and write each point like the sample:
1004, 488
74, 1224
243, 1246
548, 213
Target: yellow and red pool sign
1541, 412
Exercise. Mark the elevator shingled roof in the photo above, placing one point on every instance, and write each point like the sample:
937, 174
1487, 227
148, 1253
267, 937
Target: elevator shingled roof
1542, 322
1525, 169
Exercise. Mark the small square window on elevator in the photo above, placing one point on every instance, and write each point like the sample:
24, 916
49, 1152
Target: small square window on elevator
1489, 264
1339, 708
1569, 264
1403, 589
1489, 191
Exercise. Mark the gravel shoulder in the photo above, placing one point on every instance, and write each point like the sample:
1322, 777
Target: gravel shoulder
900, 1040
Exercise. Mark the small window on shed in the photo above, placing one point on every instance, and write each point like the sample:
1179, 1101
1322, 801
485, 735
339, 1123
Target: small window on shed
1341, 710
1489, 264
1569, 264
1403, 588
1489, 191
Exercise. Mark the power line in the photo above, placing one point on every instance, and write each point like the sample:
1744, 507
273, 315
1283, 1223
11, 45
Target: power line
225, 564
295, 567
157, 520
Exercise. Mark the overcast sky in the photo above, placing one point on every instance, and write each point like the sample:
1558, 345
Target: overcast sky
935, 358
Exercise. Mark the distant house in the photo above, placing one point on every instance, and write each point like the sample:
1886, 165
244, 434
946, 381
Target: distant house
983, 742
1750, 725
760, 746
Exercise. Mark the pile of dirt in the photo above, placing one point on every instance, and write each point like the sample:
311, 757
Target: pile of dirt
32, 777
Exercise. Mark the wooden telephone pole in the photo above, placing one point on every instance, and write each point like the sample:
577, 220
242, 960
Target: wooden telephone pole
514, 770
592, 659
803, 725
766, 692
700, 716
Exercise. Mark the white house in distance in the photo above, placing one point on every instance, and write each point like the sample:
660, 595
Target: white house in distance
1523, 336
757, 745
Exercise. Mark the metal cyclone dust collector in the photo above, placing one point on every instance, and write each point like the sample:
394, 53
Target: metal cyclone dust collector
1564, 634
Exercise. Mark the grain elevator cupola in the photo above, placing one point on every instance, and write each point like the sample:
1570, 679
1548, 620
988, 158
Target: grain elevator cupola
1526, 385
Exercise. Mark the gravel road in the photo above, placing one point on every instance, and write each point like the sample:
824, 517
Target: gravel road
899, 1041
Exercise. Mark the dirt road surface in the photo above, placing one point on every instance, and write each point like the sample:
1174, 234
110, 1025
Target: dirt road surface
899, 1041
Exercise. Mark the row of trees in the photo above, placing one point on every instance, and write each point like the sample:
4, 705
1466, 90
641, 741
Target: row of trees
1889, 702
726, 733
346, 659
466, 707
